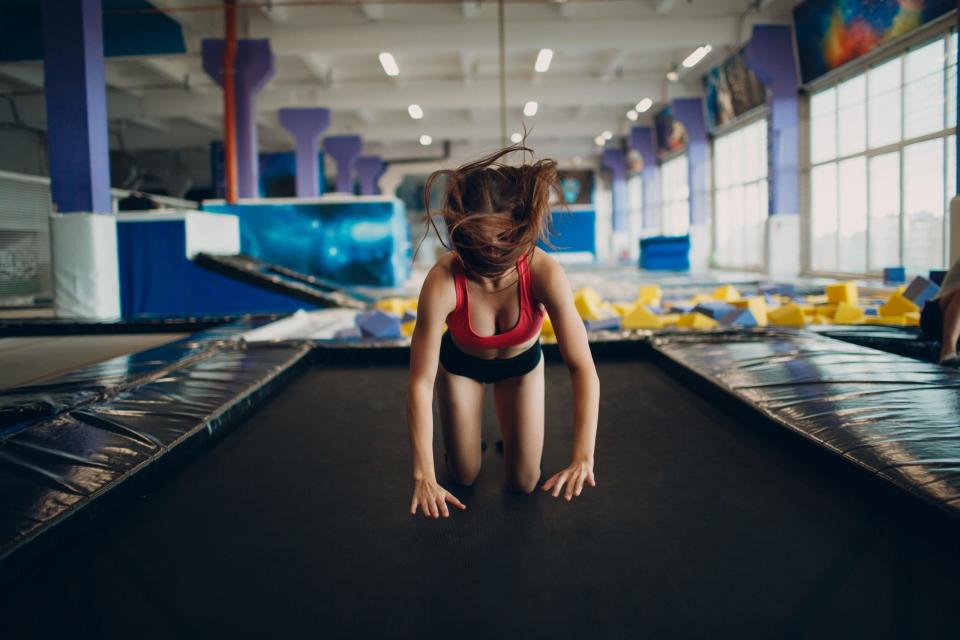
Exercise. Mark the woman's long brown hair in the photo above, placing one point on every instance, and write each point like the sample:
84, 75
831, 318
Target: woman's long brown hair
494, 212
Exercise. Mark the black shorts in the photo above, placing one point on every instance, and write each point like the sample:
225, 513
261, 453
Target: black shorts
931, 321
485, 370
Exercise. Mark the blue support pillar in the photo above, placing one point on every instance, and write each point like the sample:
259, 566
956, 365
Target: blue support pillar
344, 150
306, 125
369, 170
641, 141
770, 55
616, 162
76, 106
689, 111
256, 65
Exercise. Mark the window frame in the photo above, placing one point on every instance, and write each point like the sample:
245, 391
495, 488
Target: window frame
943, 29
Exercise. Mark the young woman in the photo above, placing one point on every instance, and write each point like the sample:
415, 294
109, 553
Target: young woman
491, 292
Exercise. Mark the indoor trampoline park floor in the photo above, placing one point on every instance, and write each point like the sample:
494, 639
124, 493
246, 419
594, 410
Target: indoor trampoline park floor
707, 521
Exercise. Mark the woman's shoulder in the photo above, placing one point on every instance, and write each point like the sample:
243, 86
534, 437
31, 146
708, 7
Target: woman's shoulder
545, 272
439, 279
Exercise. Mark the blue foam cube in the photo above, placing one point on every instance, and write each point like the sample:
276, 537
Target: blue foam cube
680, 308
604, 324
715, 310
739, 317
894, 275
871, 311
920, 290
379, 324
408, 316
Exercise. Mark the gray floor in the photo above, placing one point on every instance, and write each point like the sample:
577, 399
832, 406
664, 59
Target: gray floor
24, 360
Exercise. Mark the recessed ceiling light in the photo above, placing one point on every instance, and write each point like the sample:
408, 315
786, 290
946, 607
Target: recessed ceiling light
600, 140
644, 105
389, 64
515, 138
632, 115
415, 111
426, 140
543, 60
673, 76
530, 109
607, 135
698, 54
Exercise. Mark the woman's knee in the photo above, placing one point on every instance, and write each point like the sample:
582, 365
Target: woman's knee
464, 472
524, 480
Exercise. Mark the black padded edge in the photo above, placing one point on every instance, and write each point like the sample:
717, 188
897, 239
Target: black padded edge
888, 415
270, 277
26, 327
57, 475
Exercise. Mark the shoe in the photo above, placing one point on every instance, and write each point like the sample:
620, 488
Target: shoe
952, 362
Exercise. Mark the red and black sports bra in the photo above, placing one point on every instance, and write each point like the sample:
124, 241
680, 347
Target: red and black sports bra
528, 324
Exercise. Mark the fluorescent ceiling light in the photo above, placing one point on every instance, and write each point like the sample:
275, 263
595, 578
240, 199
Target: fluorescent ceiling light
606, 135
543, 60
644, 105
515, 138
389, 64
632, 115
673, 76
600, 140
530, 109
415, 111
426, 140
698, 54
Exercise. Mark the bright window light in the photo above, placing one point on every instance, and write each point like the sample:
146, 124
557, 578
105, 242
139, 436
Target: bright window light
698, 54
632, 115
607, 135
543, 60
530, 109
389, 64
415, 111
426, 140
515, 138
644, 105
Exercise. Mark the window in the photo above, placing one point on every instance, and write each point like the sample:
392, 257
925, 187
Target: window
740, 201
635, 217
674, 197
882, 164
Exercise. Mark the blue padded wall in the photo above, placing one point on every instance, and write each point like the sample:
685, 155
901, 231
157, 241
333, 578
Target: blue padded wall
574, 231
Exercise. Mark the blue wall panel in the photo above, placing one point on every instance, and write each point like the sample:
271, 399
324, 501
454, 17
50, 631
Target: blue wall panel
575, 230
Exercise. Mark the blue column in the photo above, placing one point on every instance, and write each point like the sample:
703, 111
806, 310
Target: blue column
76, 106
306, 125
255, 67
344, 150
770, 56
641, 141
616, 162
689, 111
369, 170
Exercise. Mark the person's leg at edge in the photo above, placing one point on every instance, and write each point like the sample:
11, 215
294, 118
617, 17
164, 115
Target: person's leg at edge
520, 411
950, 306
460, 402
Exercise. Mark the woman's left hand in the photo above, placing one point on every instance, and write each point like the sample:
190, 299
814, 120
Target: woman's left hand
570, 480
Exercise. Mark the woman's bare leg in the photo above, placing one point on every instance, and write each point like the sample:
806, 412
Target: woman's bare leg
460, 401
950, 307
520, 410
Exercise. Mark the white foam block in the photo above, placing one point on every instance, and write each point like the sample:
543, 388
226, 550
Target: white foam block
86, 275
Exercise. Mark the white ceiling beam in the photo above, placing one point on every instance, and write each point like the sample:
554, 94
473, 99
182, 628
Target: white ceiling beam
173, 69
151, 124
575, 36
205, 122
274, 13
431, 95
27, 74
565, 8
470, 8
372, 11
613, 63
320, 66
366, 116
662, 7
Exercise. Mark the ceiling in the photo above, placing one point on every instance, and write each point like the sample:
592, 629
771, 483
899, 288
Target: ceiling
607, 56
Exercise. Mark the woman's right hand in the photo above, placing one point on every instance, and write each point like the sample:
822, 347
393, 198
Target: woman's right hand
432, 499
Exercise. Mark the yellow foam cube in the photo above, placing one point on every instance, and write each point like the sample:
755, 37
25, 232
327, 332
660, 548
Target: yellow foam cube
546, 330
622, 308
820, 319
670, 319
589, 304
410, 304
726, 293
390, 305
701, 297
826, 309
899, 321
847, 313
640, 317
842, 292
817, 300
757, 305
788, 315
696, 320
912, 318
897, 305
406, 329
650, 294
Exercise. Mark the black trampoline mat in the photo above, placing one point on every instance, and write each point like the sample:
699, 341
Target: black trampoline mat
703, 524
